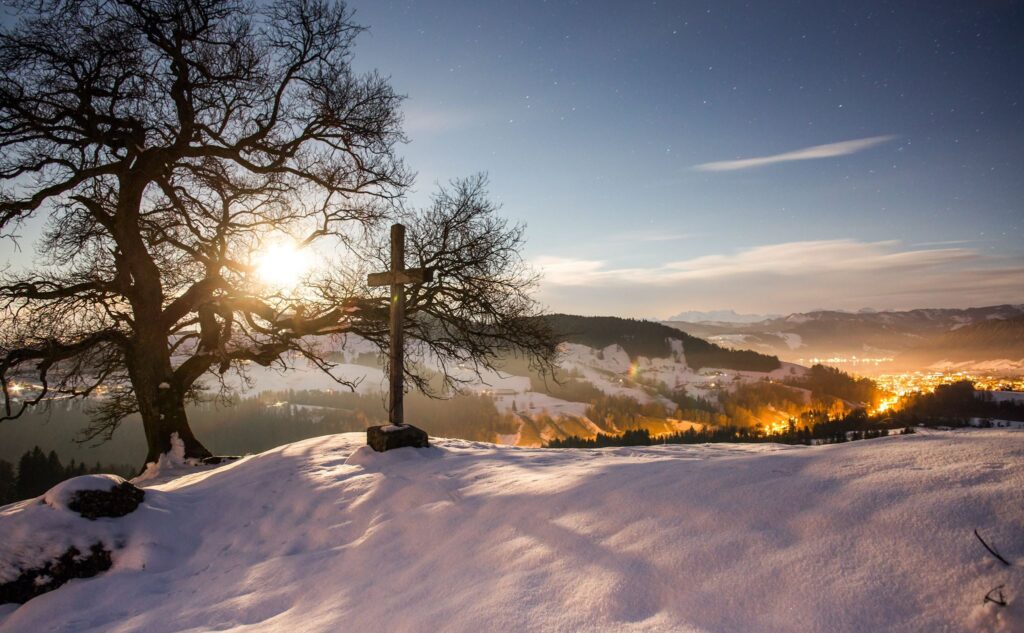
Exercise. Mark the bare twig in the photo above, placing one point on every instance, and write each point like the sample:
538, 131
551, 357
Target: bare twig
991, 551
1000, 599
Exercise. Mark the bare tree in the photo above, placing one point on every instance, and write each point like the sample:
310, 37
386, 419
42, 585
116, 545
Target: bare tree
479, 307
167, 141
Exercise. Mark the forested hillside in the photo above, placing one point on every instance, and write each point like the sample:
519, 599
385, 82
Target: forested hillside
646, 338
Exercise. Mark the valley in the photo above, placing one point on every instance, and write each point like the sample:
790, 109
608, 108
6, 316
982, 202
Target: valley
614, 376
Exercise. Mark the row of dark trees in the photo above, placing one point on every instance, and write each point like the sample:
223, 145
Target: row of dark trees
846, 430
829, 382
37, 472
956, 405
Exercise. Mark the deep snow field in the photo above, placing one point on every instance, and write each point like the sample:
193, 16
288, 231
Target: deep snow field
325, 535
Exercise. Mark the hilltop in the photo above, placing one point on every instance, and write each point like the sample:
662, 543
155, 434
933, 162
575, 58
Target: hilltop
325, 535
653, 340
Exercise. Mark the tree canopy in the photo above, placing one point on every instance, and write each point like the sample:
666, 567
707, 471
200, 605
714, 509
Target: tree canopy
167, 144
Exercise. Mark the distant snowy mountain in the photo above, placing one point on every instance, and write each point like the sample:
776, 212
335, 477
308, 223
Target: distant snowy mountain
325, 535
974, 342
720, 316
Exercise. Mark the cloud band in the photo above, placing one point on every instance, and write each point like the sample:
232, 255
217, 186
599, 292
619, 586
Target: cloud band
843, 148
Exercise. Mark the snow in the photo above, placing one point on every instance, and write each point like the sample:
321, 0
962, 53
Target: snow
1007, 396
327, 535
170, 465
607, 368
61, 495
41, 529
793, 341
996, 423
532, 402
611, 371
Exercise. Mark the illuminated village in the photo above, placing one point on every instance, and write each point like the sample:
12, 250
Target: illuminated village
899, 386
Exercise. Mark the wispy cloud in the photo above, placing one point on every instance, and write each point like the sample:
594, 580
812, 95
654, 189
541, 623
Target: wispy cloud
830, 150
841, 273
790, 258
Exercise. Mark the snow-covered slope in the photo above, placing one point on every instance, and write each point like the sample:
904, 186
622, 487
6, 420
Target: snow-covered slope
324, 535
610, 370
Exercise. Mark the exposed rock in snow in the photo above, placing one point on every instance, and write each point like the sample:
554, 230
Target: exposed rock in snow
33, 582
60, 496
120, 500
44, 545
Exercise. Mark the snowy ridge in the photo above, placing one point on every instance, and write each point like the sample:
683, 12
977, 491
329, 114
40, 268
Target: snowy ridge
325, 535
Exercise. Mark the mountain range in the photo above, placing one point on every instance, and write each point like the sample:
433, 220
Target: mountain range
720, 316
989, 337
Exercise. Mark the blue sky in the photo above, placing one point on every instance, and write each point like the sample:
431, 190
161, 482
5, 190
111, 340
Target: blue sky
766, 157
593, 119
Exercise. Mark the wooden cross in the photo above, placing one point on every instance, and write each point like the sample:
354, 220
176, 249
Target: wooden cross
397, 277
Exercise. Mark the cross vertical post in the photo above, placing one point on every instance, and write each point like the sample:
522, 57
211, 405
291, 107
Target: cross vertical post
395, 401
397, 433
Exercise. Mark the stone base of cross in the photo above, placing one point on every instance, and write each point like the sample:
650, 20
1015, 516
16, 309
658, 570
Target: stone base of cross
397, 434
388, 436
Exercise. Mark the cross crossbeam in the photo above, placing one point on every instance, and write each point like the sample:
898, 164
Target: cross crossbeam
407, 276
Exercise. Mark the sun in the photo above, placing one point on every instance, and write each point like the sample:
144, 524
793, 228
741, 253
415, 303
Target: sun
283, 265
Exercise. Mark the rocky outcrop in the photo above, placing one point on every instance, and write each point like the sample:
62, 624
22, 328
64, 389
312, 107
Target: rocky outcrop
120, 500
71, 564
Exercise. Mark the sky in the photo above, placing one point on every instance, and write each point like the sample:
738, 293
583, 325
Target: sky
768, 157
765, 157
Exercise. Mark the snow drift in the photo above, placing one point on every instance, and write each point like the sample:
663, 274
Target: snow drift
325, 535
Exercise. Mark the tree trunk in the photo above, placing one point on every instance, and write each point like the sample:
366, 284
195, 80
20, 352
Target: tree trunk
168, 419
160, 399
161, 402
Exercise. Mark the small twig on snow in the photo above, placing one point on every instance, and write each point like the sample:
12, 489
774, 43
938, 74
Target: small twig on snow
991, 551
1000, 599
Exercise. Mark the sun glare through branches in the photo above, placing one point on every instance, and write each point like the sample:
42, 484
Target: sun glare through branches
283, 265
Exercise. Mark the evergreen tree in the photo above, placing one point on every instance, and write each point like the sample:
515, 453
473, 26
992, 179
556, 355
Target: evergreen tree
30, 469
37, 473
8, 482
54, 470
